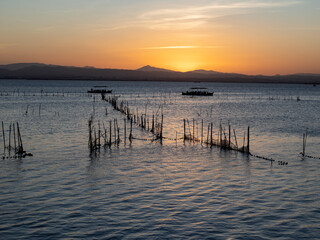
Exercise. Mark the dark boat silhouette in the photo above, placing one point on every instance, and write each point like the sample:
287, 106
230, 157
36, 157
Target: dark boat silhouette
198, 92
99, 89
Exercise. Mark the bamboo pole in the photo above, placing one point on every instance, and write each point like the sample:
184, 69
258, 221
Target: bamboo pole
99, 133
248, 140
20, 139
193, 129
161, 129
125, 131
208, 133
184, 129
130, 136
235, 138
115, 130
9, 146
110, 133
201, 131
14, 137
211, 141
229, 143
4, 140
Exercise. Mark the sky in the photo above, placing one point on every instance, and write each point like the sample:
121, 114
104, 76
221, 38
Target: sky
244, 36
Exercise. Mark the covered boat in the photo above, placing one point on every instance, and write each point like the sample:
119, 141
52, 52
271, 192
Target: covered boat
198, 92
99, 89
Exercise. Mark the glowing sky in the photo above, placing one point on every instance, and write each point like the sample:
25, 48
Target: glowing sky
245, 36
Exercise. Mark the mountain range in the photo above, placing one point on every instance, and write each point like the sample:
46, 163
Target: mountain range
39, 71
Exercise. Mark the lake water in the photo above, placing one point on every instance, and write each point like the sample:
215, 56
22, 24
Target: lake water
145, 190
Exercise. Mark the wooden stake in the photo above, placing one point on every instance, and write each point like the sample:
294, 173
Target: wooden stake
125, 131
201, 131
211, 141
235, 138
229, 143
193, 129
4, 140
184, 129
110, 133
248, 140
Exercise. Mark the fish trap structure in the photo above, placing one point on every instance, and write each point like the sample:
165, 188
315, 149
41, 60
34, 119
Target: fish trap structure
224, 139
13, 148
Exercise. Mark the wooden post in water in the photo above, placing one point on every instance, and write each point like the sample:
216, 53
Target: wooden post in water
9, 146
14, 137
184, 129
220, 135
304, 143
211, 141
99, 134
20, 140
201, 131
229, 143
110, 133
161, 129
130, 136
125, 131
115, 130
193, 129
235, 138
248, 140
4, 140
208, 133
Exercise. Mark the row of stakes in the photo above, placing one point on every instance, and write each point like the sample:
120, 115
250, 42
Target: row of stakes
155, 126
226, 139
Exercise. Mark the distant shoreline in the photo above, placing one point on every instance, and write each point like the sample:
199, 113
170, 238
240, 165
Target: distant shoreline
259, 81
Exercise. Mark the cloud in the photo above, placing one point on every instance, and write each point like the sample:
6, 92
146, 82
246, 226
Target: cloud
191, 17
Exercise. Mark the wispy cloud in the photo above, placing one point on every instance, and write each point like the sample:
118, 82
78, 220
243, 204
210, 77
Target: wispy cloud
179, 47
191, 17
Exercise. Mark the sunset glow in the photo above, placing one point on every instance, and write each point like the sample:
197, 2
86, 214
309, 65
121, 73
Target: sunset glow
253, 37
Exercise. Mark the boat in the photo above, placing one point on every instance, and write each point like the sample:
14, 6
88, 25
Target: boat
198, 92
99, 89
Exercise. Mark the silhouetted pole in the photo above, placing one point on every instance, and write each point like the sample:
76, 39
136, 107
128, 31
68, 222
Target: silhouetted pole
193, 129
235, 138
4, 140
161, 128
201, 131
130, 136
184, 129
248, 139
211, 142
110, 133
229, 144
125, 131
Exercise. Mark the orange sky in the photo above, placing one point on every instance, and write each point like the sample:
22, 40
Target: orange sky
252, 37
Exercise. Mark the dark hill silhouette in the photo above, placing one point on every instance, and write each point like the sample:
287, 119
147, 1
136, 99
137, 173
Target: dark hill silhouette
40, 71
204, 71
149, 68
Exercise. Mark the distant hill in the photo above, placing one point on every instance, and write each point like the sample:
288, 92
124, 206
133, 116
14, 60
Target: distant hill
17, 66
39, 71
148, 68
204, 71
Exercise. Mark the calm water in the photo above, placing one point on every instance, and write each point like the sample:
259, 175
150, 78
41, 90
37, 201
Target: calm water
152, 191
